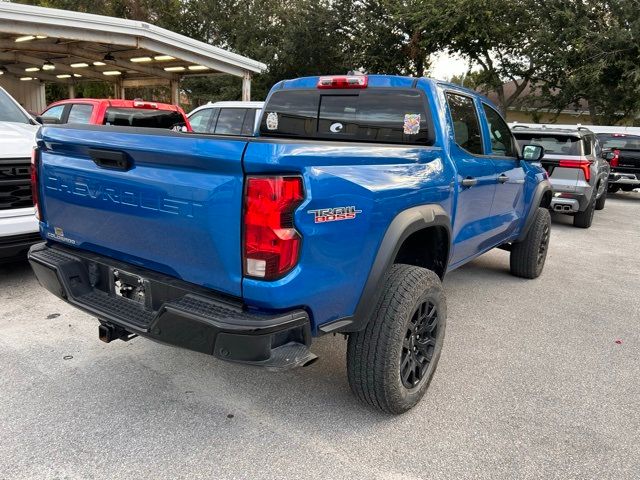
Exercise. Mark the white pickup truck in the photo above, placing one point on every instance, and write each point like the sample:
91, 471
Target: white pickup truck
18, 224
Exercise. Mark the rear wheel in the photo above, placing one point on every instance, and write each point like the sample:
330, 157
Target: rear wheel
391, 362
601, 200
584, 219
613, 188
628, 188
528, 256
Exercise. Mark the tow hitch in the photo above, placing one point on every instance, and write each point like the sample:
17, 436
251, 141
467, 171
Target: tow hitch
108, 333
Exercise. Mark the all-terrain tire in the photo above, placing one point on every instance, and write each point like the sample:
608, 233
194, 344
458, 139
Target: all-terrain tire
602, 200
528, 256
613, 188
584, 219
380, 357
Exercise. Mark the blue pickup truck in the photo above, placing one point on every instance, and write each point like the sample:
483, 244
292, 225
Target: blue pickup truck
342, 215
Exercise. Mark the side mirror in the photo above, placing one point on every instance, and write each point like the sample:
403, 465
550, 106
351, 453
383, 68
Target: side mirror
532, 153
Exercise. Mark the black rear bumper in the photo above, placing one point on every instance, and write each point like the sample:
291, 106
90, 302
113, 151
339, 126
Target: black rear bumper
172, 311
16, 246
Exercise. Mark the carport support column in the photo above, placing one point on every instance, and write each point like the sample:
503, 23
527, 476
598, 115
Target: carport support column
72, 91
246, 86
118, 90
174, 85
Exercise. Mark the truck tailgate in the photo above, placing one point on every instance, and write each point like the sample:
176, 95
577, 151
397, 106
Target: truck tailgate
174, 208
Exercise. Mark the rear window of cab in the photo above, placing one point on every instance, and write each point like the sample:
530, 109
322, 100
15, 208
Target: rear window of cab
369, 115
556, 144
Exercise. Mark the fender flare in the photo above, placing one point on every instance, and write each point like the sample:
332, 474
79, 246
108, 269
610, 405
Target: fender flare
542, 188
403, 225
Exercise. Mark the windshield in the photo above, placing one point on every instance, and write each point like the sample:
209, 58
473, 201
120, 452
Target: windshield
9, 110
620, 141
555, 144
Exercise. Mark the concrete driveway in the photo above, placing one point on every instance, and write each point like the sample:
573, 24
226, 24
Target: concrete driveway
538, 379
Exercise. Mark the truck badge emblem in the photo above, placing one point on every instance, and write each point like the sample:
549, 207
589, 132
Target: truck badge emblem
324, 215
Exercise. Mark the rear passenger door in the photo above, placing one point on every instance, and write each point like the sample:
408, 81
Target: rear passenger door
476, 179
508, 203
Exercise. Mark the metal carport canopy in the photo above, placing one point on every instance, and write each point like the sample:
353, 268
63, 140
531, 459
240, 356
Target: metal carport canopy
72, 45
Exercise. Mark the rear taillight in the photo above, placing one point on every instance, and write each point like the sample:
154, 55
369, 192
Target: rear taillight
584, 165
271, 242
348, 81
614, 161
35, 164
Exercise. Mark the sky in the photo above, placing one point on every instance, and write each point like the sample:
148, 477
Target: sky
445, 66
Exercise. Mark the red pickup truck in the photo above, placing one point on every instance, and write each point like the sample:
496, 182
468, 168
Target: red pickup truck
129, 113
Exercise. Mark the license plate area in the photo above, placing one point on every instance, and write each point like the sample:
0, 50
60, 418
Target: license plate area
130, 286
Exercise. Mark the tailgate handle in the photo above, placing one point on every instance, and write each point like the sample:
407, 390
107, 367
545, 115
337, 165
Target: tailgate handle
110, 159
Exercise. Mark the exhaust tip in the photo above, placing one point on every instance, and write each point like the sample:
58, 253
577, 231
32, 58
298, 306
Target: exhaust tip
311, 360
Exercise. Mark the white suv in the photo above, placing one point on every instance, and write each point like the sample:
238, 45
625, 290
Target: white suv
227, 118
18, 224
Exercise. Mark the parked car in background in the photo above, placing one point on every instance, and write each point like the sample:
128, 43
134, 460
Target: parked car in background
128, 113
578, 173
622, 151
361, 193
18, 224
227, 118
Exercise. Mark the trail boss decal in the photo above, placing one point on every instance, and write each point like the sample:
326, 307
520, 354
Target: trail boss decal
334, 214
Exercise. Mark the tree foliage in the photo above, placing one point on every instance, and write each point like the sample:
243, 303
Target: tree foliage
568, 51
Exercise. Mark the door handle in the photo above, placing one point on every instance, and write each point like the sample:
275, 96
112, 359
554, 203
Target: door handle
110, 159
503, 178
469, 182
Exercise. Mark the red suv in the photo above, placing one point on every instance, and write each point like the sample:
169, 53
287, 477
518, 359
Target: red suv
129, 113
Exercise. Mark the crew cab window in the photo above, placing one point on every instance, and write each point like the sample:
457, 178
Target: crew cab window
502, 142
230, 121
368, 115
80, 113
54, 113
553, 143
141, 117
466, 126
200, 120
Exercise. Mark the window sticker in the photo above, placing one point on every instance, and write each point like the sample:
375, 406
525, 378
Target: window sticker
411, 123
272, 121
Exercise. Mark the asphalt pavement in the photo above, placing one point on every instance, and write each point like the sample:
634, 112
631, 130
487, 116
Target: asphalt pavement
538, 379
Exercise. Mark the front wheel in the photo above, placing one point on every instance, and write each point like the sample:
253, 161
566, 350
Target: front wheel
391, 362
528, 256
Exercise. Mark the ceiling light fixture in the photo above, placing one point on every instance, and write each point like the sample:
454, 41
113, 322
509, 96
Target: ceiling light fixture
79, 65
99, 64
25, 79
141, 59
48, 66
197, 68
32, 69
77, 75
112, 72
163, 58
41, 37
174, 69
64, 75
25, 38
